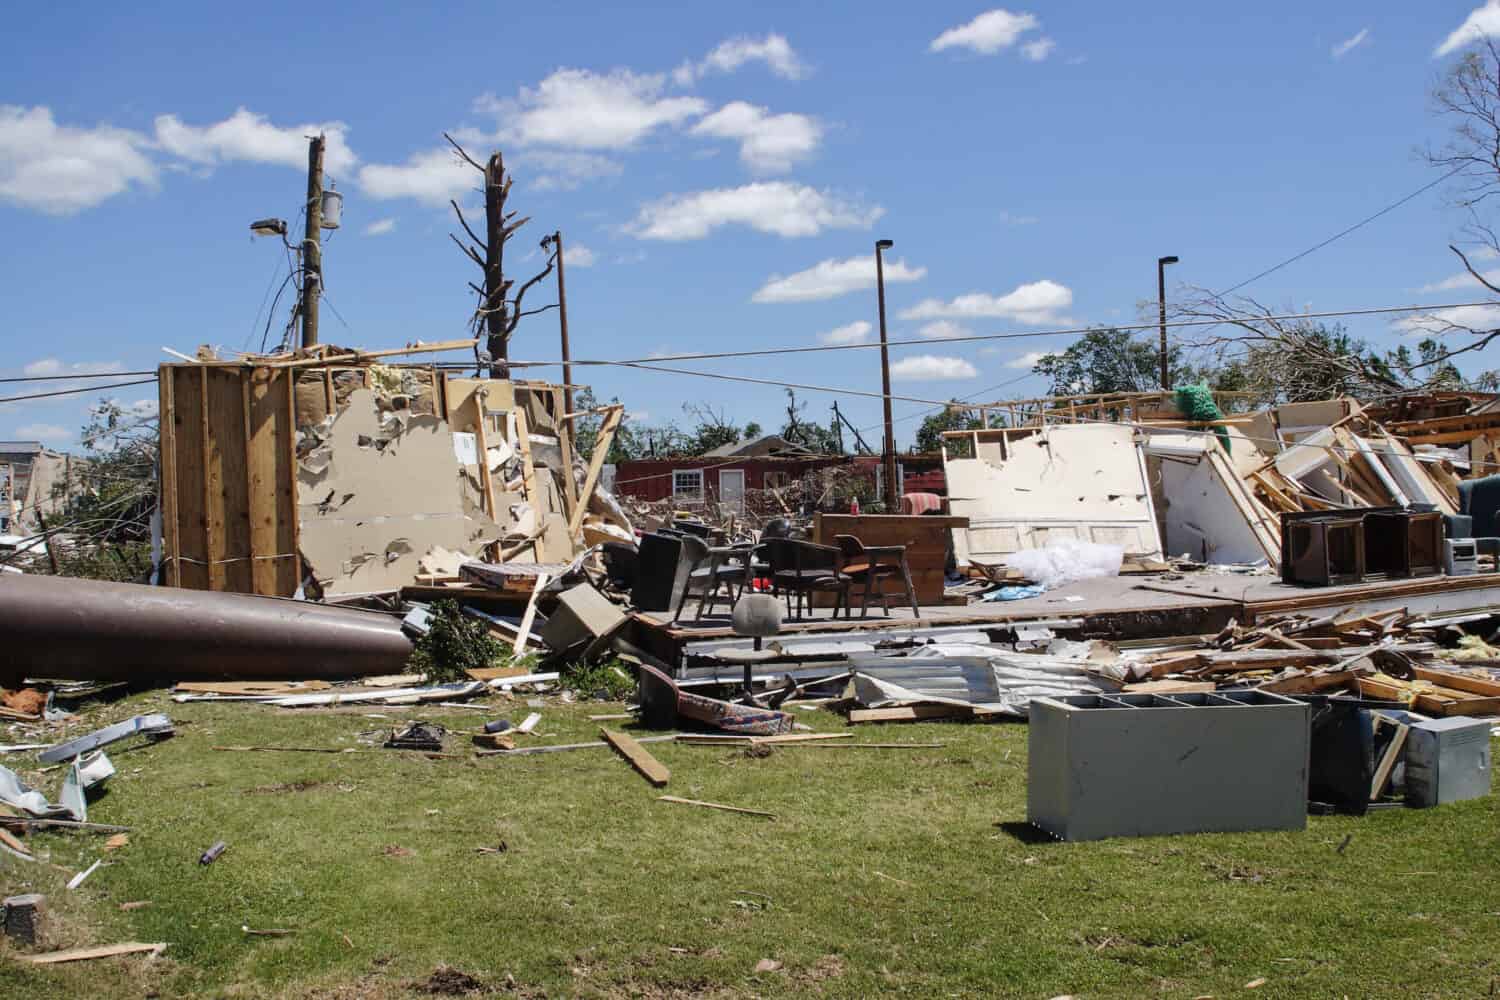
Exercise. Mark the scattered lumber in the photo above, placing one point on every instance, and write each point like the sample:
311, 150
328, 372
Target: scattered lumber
713, 805
640, 758
915, 713
86, 954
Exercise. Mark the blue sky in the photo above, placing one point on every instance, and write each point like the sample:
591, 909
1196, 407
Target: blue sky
722, 173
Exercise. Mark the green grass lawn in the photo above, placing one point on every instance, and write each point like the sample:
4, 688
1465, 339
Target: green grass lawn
885, 871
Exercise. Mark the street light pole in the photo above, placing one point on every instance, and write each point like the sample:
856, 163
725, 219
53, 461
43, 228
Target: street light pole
888, 454
1161, 301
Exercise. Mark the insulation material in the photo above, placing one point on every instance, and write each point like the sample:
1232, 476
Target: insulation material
378, 492
1086, 483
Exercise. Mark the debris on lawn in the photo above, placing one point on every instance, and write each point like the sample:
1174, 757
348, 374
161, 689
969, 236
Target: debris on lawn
24, 918
213, 853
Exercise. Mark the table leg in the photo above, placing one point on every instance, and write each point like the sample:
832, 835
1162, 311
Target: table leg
911, 592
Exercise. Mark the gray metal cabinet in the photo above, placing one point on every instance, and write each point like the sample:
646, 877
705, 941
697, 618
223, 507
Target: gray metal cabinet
1138, 765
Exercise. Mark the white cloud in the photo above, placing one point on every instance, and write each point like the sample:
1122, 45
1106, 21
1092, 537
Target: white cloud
1010, 219
45, 433
1439, 321
831, 278
60, 169
52, 366
768, 143
1483, 22
1462, 280
850, 333
988, 33
380, 227
773, 50
943, 329
580, 109
1349, 44
1034, 303
1038, 49
251, 137
1027, 360
563, 171
578, 255
778, 207
931, 368
432, 178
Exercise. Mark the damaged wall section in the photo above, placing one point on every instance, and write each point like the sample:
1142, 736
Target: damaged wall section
356, 477
1028, 487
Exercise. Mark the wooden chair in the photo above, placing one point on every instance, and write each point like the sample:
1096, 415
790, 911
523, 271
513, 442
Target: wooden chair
715, 573
804, 568
871, 566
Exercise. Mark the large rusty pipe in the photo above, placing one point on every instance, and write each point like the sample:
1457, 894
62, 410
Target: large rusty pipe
92, 630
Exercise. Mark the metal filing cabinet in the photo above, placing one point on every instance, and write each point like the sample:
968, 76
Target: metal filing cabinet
1139, 765
1447, 760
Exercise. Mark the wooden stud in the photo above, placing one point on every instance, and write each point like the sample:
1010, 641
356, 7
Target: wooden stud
213, 570
83, 954
166, 422
530, 614
596, 464
1388, 761
640, 758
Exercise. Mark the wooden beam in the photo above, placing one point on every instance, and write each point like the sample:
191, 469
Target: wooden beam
1459, 682
359, 357
640, 758
596, 464
213, 570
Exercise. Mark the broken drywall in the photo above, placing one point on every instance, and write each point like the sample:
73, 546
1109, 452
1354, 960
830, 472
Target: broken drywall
1084, 482
1206, 512
377, 492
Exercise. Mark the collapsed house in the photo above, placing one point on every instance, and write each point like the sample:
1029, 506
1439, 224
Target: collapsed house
1155, 488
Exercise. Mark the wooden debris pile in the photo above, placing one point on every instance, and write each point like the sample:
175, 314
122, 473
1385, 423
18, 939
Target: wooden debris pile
1385, 656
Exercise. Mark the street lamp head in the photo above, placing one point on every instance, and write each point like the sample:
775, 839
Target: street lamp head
1166, 260
884, 244
268, 227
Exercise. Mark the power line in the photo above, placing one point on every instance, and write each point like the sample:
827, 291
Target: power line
61, 378
69, 392
984, 338
1340, 235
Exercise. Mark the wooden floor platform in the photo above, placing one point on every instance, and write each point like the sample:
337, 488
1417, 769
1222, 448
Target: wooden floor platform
1133, 607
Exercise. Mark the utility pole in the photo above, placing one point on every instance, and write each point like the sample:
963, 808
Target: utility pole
312, 249
1161, 301
892, 488
562, 318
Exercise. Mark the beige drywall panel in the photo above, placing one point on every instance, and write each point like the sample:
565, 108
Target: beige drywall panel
1080, 482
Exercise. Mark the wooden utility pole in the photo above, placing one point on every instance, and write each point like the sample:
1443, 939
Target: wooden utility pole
562, 319
888, 453
312, 248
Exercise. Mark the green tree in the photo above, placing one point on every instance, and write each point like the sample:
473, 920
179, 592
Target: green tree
951, 418
1111, 360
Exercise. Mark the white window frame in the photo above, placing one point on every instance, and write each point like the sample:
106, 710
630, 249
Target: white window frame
695, 494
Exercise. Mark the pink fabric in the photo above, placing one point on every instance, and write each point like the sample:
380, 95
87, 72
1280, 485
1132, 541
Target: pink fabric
920, 503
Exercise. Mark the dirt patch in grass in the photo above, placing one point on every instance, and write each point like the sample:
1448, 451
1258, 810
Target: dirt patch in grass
449, 982
295, 786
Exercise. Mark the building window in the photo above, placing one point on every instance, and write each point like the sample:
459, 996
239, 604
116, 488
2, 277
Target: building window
687, 483
777, 480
